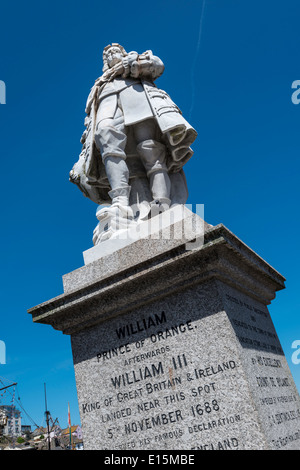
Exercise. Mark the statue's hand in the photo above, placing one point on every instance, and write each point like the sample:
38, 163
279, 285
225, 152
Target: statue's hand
135, 69
147, 66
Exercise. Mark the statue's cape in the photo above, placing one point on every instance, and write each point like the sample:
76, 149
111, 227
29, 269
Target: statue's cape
176, 133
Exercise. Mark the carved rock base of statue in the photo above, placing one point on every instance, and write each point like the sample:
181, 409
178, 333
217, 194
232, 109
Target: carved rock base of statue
174, 347
128, 212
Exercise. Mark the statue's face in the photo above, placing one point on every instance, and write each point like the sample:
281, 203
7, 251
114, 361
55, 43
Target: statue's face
113, 56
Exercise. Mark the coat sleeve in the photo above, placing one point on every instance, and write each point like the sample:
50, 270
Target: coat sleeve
147, 66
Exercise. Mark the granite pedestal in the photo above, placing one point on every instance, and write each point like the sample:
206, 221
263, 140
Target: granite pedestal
173, 344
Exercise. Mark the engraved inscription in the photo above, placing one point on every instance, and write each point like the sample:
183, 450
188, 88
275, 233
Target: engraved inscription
158, 390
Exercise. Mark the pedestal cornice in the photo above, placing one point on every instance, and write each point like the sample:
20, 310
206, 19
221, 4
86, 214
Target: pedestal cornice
222, 256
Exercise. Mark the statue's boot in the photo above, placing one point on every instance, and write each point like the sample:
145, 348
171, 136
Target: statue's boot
119, 204
153, 156
112, 219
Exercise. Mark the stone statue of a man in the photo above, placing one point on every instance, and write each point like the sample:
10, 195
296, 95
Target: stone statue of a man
135, 143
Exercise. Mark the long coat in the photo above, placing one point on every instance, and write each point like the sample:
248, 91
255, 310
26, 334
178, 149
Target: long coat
140, 99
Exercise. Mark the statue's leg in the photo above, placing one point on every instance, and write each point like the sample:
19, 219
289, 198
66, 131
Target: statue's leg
111, 138
153, 156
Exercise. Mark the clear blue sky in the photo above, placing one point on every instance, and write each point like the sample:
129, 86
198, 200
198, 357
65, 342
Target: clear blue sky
234, 87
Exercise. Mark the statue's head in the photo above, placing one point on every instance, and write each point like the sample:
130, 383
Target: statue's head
112, 54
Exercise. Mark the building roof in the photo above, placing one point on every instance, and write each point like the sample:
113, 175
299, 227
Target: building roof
39, 431
10, 409
67, 430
